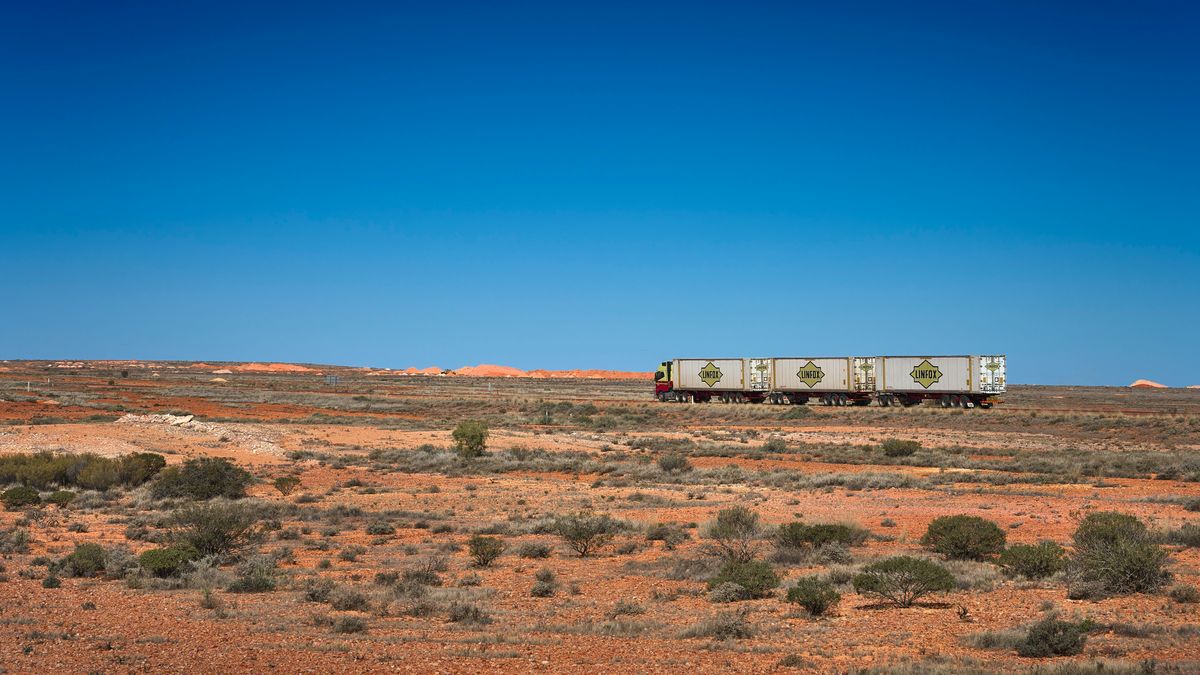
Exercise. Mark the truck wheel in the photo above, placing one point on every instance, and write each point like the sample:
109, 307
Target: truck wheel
945, 401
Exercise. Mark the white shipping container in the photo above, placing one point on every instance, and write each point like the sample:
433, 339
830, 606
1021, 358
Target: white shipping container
709, 374
813, 374
927, 374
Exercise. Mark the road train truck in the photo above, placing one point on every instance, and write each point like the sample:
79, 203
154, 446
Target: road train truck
954, 381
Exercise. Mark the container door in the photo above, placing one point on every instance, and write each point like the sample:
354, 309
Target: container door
759, 374
864, 373
992, 375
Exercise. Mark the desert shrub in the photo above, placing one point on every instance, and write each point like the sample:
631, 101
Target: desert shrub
1183, 593
1036, 561
216, 528
201, 479
168, 562
722, 626
1052, 637
485, 550
44, 469
814, 594
902, 580
799, 535
469, 613
379, 528
546, 583
350, 624
51, 582
19, 497
775, 444
755, 576
118, 562
61, 497
674, 463
286, 485
533, 549
86, 560
735, 533
255, 574
964, 537
670, 535
470, 438
14, 540
585, 532
895, 447
727, 591
1192, 505
344, 599
319, 589
1185, 535
1114, 553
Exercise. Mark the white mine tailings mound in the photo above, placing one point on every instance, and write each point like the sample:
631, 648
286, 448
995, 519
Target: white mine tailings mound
1147, 384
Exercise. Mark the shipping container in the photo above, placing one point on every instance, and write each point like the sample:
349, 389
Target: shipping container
813, 374
710, 374
925, 375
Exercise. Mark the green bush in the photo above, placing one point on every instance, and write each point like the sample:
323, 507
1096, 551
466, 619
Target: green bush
728, 591
168, 562
903, 579
585, 532
775, 445
735, 533
1052, 637
43, 470
1186, 535
61, 497
87, 560
895, 447
1115, 554
674, 463
19, 497
814, 594
286, 485
1033, 561
1185, 593
533, 549
216, 528
51, 582
350, 624
755, 576
379, 528
799, 535
256, 574
964, 537
485, 550
202, 479
470, 438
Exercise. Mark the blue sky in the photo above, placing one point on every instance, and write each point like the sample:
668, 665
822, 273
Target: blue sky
604, 185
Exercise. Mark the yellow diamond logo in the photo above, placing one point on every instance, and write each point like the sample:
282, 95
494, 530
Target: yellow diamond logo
866, 367
993, 366
710, 374
926, 374
810, 374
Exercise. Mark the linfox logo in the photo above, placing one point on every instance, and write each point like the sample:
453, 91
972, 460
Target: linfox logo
810, 374
993, 366
926, 374
710, 374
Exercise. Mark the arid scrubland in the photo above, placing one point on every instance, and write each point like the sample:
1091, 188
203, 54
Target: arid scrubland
164, 521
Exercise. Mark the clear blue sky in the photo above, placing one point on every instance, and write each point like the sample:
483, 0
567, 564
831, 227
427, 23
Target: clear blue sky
604, 185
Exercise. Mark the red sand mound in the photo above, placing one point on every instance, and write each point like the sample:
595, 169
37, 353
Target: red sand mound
1147, 384
488, 370
272, 368
592, 374
431, 370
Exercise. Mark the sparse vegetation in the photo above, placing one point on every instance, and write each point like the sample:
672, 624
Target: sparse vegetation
201, 479
814, 594
1036, 561
485, 550
895, 447
964, 537
286, 485
1114, 553
902, 580
1052, 637
470, 438
755, 576
735, 534
585, 532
